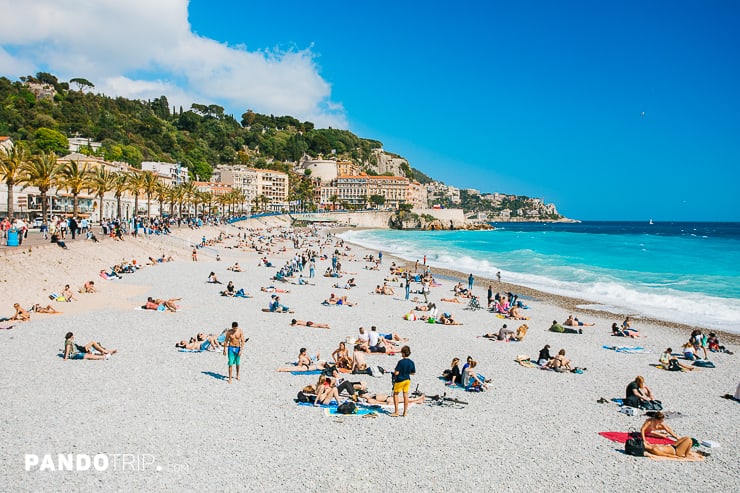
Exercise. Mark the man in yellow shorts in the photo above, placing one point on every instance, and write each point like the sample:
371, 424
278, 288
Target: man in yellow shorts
402, 380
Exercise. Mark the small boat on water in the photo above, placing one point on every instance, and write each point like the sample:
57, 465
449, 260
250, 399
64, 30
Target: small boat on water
651, 221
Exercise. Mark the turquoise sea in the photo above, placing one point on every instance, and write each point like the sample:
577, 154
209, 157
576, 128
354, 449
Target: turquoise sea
680, 272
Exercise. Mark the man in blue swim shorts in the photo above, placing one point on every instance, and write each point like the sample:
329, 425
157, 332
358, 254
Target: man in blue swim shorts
233, 346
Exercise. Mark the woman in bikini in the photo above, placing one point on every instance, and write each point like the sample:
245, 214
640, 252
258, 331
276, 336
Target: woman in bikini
304, 363
341, 357
656, 427
308, 323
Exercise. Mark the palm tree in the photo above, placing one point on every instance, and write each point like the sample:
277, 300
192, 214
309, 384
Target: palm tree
176, 197
333, 199
102, 181
222, 200
120, 186
43, 173
135, 184
149, 184
188, 194
76, 179
163, 193
11, 170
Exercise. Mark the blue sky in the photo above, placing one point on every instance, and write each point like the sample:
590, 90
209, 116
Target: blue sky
535, 98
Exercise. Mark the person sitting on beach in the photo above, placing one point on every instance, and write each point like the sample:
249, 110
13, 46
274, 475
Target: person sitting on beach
44, 309
88, 287
556, 327
359, 363
504, 334
212, 279
55, 238
574, 322
472, 380
452, 375
714, 346
67, 294
638, 394
341, 357
544, 356
326, 392
616, 331
559, 362
308, 323
669, 362
689, 351
521, 332
502, 306
230, 289
21, 314
304, 363
655, 426
338, 300
74, 351
235, 267
276, 307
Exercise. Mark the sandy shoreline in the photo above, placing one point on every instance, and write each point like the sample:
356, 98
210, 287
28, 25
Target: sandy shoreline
150, 400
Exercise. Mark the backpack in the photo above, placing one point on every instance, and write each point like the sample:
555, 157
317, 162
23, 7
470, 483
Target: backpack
347, 407
304, 397
634, 445
673, 365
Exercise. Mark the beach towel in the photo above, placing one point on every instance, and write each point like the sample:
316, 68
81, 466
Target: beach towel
692, 456
182, 350
622, 436
627, 349
360, 411
307, 372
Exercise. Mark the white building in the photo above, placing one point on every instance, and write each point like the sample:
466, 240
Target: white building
176, 172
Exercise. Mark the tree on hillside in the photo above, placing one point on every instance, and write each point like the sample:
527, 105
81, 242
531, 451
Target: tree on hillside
135, 182
11, 170
75, 179
81, 83
48, 140
377, 200
42, 172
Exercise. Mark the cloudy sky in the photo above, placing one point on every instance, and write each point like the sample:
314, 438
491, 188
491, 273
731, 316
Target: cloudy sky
612, 110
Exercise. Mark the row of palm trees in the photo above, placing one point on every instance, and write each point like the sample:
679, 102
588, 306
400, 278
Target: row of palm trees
19, 167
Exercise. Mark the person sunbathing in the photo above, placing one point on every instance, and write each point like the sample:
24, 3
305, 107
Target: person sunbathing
670, 362
155, 304
559, 362
338, 300
326, 392
44, 309
447, 319
235, 267
273, 289
75, 351
383, 400
516, 314
451, 300
21, 314
425, 308
305, 362
276, 307
574, 322
230, 289
213, 279
656, 427
308, 323
359, 363
201, 342
628, 330
521, 332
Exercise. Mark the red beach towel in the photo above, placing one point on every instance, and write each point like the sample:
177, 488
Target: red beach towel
621, 437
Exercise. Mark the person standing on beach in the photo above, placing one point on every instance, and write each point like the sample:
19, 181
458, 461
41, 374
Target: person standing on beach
471, 279
498, 276
380, 257
425, 260
233, 346
407, 285
402, 380
312, 269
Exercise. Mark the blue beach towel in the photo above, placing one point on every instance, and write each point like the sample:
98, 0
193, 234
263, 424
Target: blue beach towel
627, 349
307, 372
360, 411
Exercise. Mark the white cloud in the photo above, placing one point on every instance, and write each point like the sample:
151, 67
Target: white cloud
145, 48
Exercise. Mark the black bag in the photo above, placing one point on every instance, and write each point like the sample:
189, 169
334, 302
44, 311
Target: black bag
673, 365
652, 405
634, 445
303, 397
347, 407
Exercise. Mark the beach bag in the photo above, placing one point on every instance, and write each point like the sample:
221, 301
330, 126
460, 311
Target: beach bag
652, 406
347, 407
634, 445
304, 397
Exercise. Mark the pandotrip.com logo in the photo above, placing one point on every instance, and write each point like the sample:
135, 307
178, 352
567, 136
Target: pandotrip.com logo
99, 463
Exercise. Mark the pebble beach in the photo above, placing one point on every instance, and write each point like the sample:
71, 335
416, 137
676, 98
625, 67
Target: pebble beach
175, 424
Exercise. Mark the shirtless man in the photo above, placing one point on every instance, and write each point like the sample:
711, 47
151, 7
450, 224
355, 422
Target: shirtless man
382, 399
233, 345
88, 287
309, 324
21, 314
359, 364
44, 309
67, 293
574, 322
